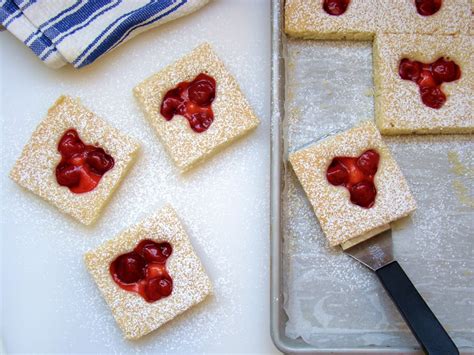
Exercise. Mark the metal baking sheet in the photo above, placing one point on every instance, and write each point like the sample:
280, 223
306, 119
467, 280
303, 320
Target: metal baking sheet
323, 301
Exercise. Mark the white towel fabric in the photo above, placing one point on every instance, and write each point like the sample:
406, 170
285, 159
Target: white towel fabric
80, 31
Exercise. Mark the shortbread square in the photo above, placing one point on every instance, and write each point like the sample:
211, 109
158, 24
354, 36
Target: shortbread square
398, 105
191, 285
308, 19
340, 219
233, 116
35, 169
401, 16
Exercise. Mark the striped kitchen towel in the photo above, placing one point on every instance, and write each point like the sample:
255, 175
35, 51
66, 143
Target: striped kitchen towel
80, 31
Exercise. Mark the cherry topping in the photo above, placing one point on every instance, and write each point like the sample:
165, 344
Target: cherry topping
368, 162
445, 71
81, 166
143, 270
192, 100
129, 268
363, 194
357, 175
152, 251
335, 7
337, 173
70, 144
67, 174
430, 77
157, 288
409, 70
427, 7
99, 161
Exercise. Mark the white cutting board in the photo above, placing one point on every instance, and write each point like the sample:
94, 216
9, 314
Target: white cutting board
49, 301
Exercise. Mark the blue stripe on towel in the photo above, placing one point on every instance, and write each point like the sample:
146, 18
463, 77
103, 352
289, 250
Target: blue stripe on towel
78, 17
7, 10
131, 19
65, 35
146, 23
38, 31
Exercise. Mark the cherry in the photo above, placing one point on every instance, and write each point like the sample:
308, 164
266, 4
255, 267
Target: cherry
81, 166
430, 77
170, 104
337, 174
129, 268
357, 175
68, 174
409, 70
143, 270
445, 70
99, 161
363, 194
426, 79
335, 7
70, 144
427, 7
203, 90
193, 101
368, 162
153, 252
200, 121
158, 288
432, 96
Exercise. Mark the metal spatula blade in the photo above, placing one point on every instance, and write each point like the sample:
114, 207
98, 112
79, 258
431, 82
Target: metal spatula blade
377, 254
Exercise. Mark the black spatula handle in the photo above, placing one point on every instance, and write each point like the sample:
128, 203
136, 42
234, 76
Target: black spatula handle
423, 323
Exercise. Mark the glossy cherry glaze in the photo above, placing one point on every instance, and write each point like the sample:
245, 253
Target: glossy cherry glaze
192, 100
81, 166
335, 7
428, 7
429, 77
357, 175
143, 270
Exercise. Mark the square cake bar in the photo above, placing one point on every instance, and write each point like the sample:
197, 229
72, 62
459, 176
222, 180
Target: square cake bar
398, 104
36, 168
190, 283
341, 219
233, 116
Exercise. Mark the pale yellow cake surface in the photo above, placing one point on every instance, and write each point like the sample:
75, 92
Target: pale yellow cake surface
364, 18
233, 116
35, 168
307, 19
401, 16
398, 105
340, 219
191, 285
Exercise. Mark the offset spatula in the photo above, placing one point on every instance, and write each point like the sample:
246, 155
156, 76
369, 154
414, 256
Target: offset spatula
376, 253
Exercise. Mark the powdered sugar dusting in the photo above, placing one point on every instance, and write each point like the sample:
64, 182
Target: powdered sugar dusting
191, 285
233, 115
340, 219
35, 168
399, 109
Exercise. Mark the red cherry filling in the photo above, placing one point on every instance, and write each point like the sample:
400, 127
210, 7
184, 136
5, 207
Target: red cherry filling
335, 7
192, 100
427, 7
357, 175
143, 270
429, 77
130, 267
81, 166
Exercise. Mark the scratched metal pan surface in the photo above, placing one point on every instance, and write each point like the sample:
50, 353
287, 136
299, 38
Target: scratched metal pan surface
322, 300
